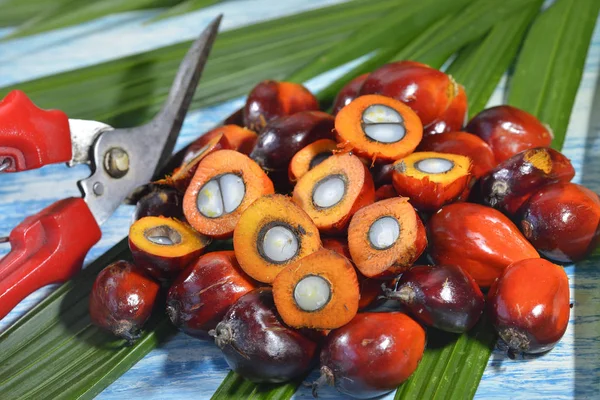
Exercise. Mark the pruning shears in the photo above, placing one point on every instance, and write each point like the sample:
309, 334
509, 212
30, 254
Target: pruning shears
50, 246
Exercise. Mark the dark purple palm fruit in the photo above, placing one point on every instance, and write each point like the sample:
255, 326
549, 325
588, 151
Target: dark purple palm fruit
371, 355
161, 201
444, 297
284, 137
258, 345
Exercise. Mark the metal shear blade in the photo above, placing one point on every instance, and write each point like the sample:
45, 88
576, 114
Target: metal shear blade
123, 159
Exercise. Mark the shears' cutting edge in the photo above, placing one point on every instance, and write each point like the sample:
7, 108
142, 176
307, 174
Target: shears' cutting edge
50, 246
129, 157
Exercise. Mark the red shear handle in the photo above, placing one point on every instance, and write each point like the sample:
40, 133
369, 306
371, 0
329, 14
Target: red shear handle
31, 137
46, 248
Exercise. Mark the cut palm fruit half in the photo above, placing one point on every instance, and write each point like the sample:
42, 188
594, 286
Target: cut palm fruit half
271, 234
379, 128
319, 291
431, 179
334, 190
224, 185
386, 238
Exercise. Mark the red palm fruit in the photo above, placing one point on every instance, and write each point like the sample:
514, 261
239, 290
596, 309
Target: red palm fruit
224, 185
479, 239
271, 99
509, 130
319, 291
562, 221
529, 305
453, 119
272, 234
427, 91
122, 299
378, 128
203, 293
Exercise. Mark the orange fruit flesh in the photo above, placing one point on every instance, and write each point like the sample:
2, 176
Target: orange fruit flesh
303, 161
183, 239
351, 128
342, 304
249, 235
358, 190
256, 184
431, 179
386, 261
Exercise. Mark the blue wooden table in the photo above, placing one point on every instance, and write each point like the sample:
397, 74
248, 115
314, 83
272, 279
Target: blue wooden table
185, 367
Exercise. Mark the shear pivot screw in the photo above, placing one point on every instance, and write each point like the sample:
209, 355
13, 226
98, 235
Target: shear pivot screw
116, 162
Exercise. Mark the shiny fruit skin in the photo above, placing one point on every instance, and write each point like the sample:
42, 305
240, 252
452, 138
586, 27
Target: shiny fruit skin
348, 93
122, 299
427, 91
203, 293
529, 305
161, 201
509, 130
465, 144
373, 353
511, 183
444, 297
562, 221
272, 99
284, 137
479, 239
453, 118
258, 346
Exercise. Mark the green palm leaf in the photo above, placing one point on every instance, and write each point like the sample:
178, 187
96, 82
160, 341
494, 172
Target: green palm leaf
65, 13
184, 7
